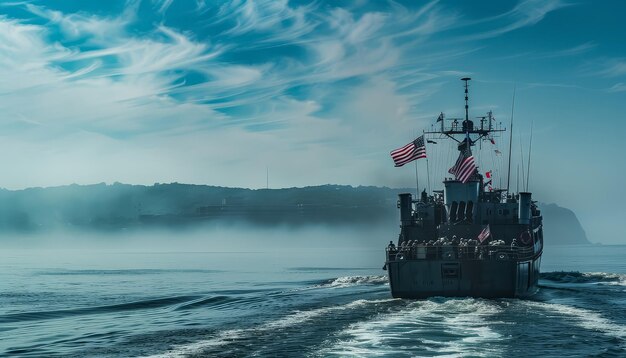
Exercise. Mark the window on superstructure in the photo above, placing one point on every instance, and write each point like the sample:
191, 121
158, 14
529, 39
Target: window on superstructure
460, 214
469, 211
453, 209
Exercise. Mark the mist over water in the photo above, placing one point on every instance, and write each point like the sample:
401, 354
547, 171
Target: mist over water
317, 291
214, 237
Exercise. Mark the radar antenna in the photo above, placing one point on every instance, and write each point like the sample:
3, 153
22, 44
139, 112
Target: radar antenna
451, 126
466, 79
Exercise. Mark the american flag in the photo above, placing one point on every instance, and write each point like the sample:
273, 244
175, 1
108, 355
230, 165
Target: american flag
410, 152
484, 234
464, 167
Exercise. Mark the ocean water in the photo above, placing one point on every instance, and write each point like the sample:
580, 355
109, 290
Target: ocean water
286, 301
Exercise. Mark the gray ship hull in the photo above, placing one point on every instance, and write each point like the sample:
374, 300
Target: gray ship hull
415, 278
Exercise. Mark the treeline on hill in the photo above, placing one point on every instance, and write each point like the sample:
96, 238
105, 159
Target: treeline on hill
115, 206
120, 206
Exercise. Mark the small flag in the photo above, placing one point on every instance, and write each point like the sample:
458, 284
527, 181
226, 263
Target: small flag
492, 141
440, 118
430, 141
498, 152
484, 234
410, 152
464, 167
488, 174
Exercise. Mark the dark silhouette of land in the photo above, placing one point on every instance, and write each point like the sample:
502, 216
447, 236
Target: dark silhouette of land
119, 206
561, 226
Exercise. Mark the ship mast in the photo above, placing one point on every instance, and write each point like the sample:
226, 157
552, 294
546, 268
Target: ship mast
466, 79
467, 128
462, 130
508, 177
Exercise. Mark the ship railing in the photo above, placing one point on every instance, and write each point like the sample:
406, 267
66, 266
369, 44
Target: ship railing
455, 252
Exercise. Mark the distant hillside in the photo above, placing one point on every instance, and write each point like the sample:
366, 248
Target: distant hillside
119, 206
561, 226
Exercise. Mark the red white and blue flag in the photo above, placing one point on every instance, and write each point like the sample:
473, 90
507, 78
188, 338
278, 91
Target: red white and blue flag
484, 234
464, 167
410, 152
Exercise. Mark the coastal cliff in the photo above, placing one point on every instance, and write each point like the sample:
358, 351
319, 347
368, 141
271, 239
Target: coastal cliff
561, 226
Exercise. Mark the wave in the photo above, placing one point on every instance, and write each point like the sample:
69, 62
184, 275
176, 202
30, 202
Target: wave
583, 318
137, 305
295, 318
431, 327
584, 277
348, 281
323, 269
213, 301
61, 272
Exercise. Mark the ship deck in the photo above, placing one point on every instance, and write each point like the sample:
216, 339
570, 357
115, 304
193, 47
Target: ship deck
455, 252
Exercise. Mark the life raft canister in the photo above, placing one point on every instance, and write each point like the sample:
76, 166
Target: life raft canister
525, 238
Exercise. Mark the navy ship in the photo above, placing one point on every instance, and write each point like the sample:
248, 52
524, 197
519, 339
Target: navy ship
469, 239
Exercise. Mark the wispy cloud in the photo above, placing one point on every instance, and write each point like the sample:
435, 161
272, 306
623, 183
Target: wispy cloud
613, 68
81, 25
162, 5
525, 13
276, 20
618, 87
572, 51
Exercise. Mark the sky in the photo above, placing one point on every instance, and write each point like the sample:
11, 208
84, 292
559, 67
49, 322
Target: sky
313, 92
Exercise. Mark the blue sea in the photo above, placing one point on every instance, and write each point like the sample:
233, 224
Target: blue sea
291, 300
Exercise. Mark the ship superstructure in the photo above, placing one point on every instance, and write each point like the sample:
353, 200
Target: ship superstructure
469, 239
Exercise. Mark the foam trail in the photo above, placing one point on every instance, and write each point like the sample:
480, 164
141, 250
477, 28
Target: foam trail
453, 326
584, 318
585, 277
348, 281
609, 278
295, 318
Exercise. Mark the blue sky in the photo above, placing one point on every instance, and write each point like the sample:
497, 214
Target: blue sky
318, 92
